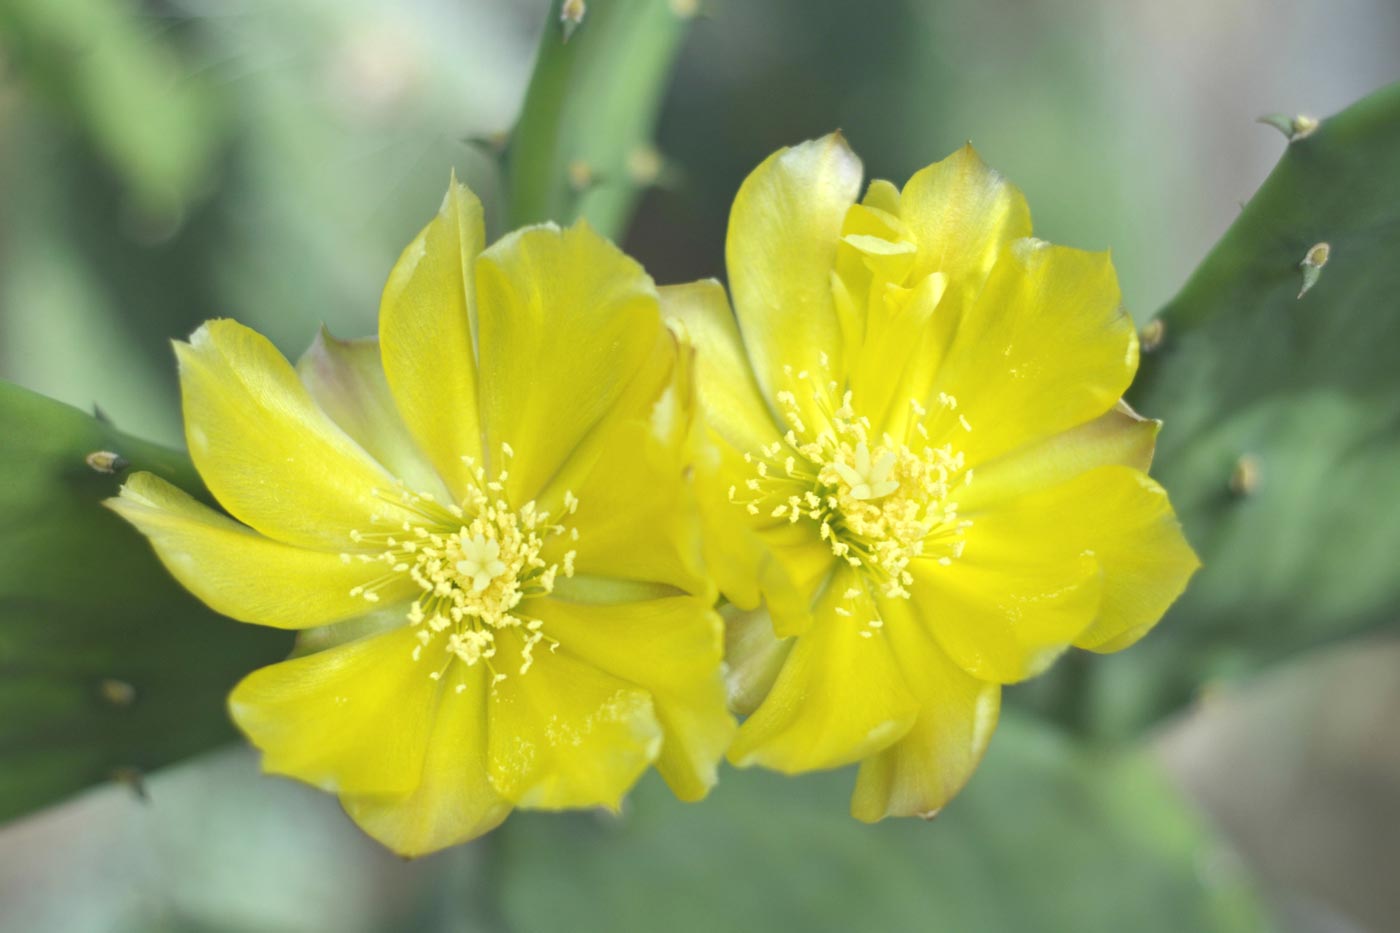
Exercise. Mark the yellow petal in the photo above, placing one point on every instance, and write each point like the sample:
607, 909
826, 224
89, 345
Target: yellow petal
354, 719
907, 332
242, 574
264, 448
636, 514
1119, 436
454, 801
882, 195
753, 657
571, 333
784, 230
1016, 599
425, 331
670, 648
565, 734
729, 396
840, 696
1125, 519
346, 379
961, 214
733, 554
1047, 346
801, 564
921, 772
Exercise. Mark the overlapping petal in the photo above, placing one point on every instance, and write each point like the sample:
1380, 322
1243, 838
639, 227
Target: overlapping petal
784, 229
426, 327
1017, 598
962, 214
241, 573
1119, 436
839, 697
736, 420
1125, 518
670, 648
1045, 347
354, 719
798, 565
753, 657
570, 335
565, 734
922, 771
454, 800
346, 378
264, 448
733, 404
634, 503
907, 331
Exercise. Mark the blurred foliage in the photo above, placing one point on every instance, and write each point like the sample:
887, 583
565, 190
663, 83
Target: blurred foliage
125, 88
1048, 837
108, 669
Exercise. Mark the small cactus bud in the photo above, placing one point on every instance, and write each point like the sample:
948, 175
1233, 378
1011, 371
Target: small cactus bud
1244, 478
1152, 335
1294, 128
644, 165
570, 15
581, 176
117, 692
1312, 266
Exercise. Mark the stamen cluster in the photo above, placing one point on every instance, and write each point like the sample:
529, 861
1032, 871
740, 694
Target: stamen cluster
878, 502
476, 563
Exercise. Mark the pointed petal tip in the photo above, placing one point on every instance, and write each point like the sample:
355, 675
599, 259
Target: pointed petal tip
457, 193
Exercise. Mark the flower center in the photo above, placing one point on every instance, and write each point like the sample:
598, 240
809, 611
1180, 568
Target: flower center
476, 565
877, 502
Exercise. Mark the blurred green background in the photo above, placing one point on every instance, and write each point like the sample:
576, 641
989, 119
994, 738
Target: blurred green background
166, 162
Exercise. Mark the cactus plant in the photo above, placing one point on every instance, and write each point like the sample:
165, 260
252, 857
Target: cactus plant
1276, 378
107, 667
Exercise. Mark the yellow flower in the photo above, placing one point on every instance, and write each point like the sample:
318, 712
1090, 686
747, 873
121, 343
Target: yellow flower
479, 526
922, 467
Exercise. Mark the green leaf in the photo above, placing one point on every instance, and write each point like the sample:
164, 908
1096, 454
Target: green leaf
107, 667
1047, 837
1295, 403
583, 142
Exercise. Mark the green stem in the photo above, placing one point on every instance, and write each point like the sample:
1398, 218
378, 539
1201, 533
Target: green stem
582, 145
